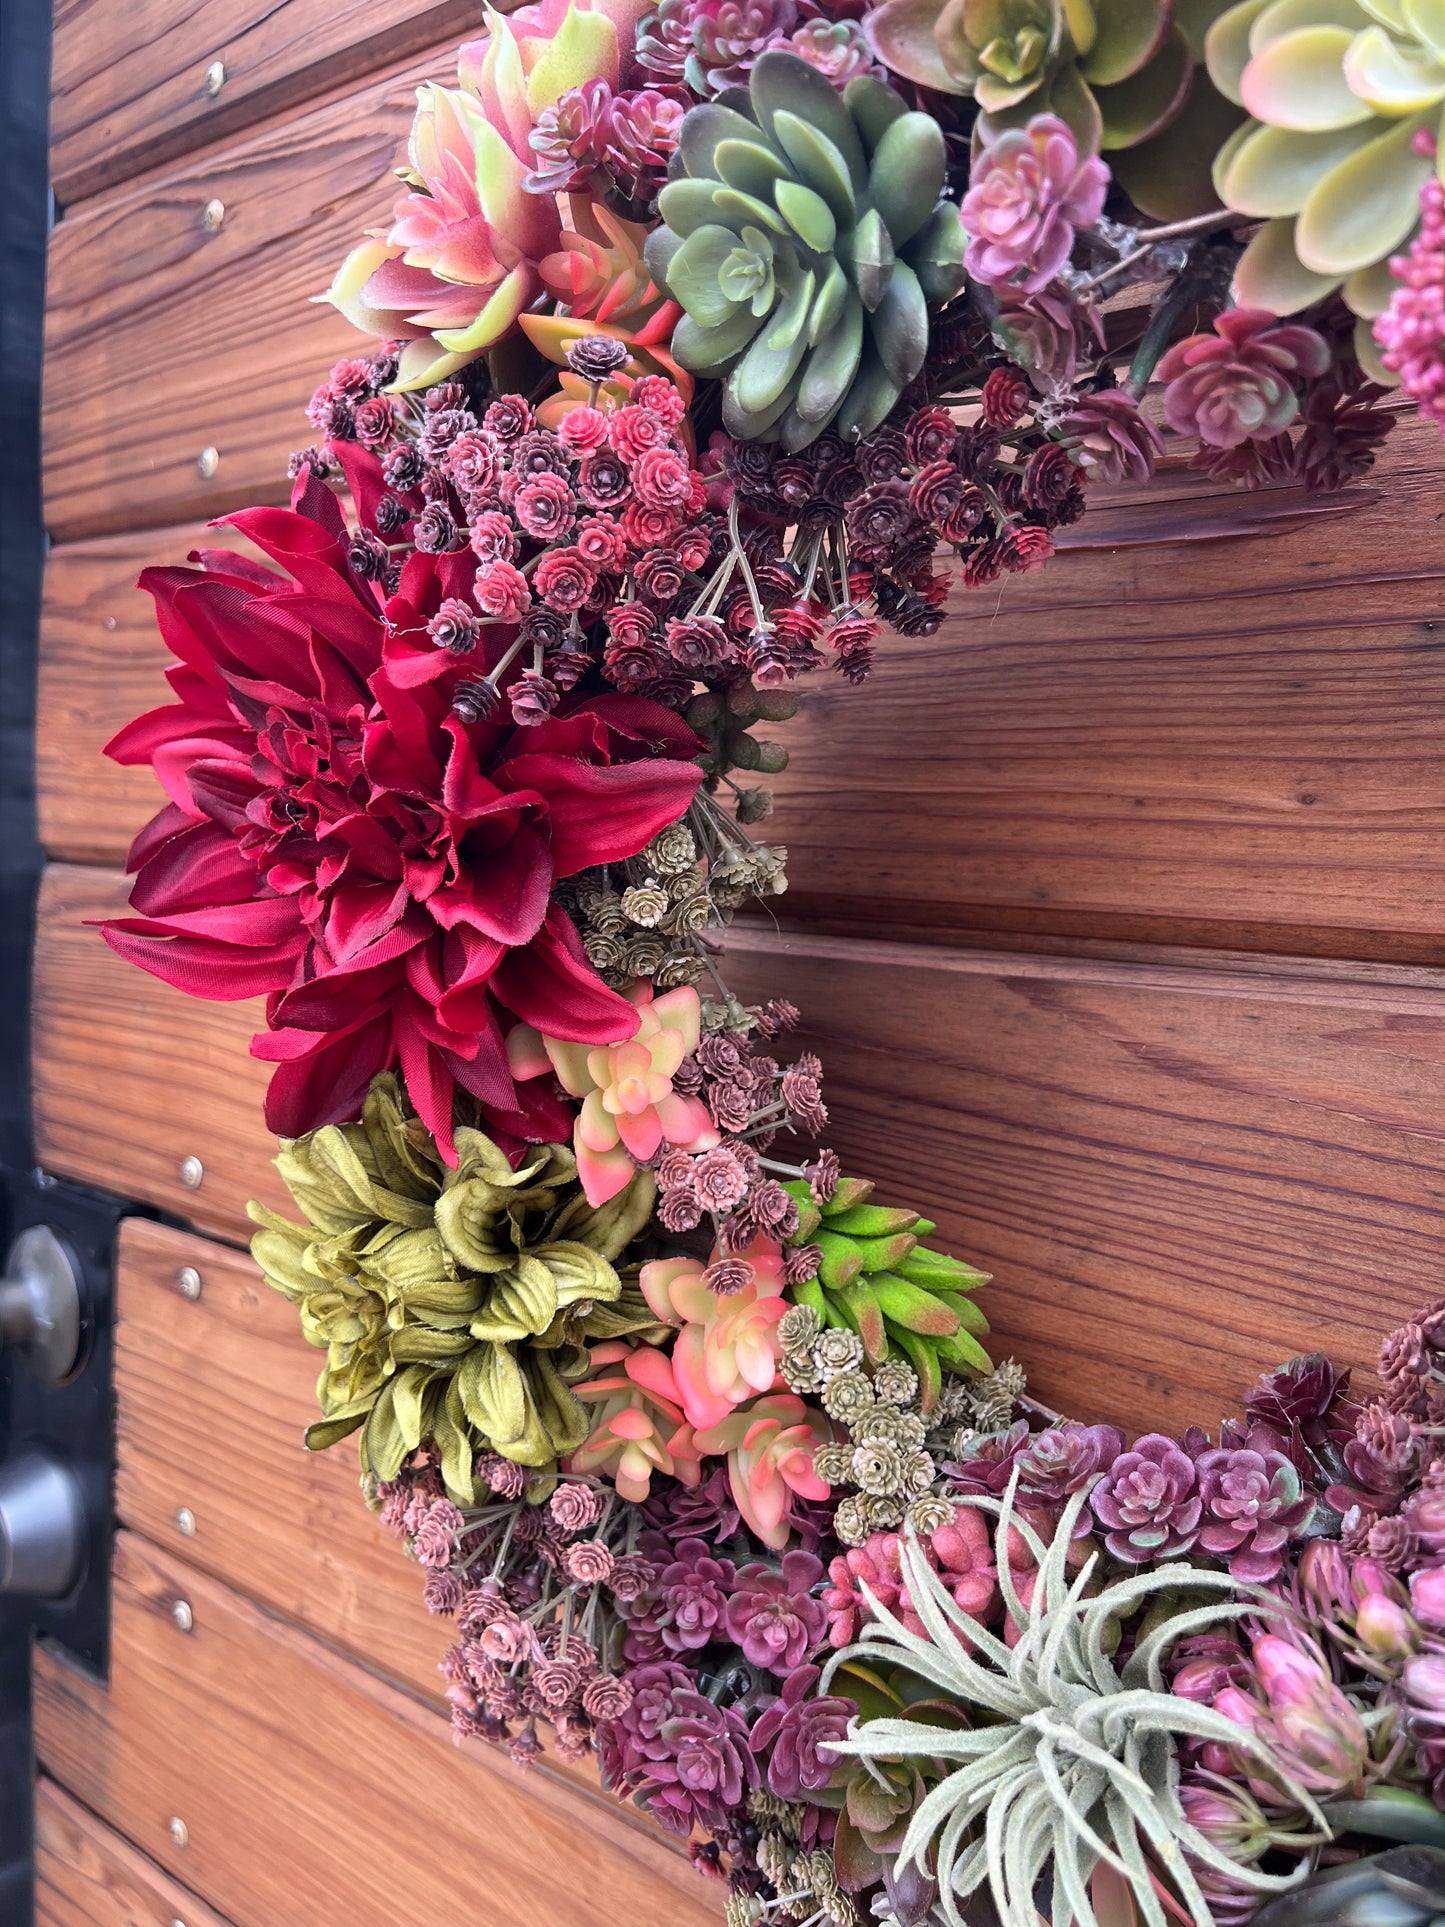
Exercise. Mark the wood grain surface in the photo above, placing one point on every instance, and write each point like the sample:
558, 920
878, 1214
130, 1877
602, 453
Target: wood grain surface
129, 93
163, 339
130, 1077
1115, 748
315, 1794
1177, 1176
86, 1875
213, 1396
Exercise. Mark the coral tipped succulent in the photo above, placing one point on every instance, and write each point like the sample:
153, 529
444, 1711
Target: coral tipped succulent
452, 1304
806, 238
1073, 1763
874, 1277
1117, 72
1338, 92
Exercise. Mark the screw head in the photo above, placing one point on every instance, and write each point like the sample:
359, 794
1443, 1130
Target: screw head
215, 77
178, 1830
186, 1522
191, 1173
188, 1282
183, 1616
212, 215
207, 462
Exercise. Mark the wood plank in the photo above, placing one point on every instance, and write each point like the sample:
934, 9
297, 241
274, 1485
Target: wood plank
101, 663
1183, 742
163, 339
86, 1875
131, 101
130, 1077
1177, 1176
1256, 1148
317, 1795
213, 1396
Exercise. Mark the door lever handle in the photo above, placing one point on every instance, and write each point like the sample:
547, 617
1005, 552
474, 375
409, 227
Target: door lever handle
40, 1304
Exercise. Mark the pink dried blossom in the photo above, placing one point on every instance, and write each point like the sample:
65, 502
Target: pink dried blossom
1411, 331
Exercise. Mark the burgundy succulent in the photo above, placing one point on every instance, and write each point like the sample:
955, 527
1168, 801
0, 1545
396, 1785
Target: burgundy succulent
1254, 1503
1240, 382
685, 1759
1065, 1458
985, 1464
1380, 1460
1110, 439
693, 1592
1149, 1502
797, 1726
772, 1615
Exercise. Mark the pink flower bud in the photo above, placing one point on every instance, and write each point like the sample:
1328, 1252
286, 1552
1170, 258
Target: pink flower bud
1424, 1680
1385, 1629
1289, 1677
1427, 1595
1324, 1578
1369, 1579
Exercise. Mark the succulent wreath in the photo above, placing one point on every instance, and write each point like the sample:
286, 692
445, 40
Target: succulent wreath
707, 345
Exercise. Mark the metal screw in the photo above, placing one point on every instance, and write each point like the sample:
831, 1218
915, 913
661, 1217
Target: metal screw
178, 1830
191, 1173
215, 77
186, 1522
111, 623
178, 1923
189, 1281
212, 215
183, 1616
208, 461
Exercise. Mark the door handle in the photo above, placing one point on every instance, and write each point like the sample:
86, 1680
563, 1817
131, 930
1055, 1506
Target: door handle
40, 1304
42, 1528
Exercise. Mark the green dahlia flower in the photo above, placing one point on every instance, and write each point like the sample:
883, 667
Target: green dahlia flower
806, 239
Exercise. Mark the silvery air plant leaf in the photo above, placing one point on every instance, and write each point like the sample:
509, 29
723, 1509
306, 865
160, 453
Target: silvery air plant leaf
1077, 1765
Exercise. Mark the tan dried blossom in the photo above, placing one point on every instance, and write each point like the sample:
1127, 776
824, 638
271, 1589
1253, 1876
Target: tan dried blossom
837, 1351
846, 1396
879, 1469
645, 903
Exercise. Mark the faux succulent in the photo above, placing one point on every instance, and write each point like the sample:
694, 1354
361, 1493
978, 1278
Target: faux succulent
1404, 1887
874, 1277
1337, 91
452, 1304
1119, 73
806, 240
1073, 1763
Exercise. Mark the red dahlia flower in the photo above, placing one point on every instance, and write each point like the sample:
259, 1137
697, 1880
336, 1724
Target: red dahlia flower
380, 869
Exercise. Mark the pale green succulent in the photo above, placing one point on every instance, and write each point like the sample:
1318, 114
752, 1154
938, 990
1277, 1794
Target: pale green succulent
451, 1304
1337, 91
1125, 75
1072, 1765
806, 239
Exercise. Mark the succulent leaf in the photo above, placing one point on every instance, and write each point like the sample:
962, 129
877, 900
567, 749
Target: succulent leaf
805, 270
1066, 1759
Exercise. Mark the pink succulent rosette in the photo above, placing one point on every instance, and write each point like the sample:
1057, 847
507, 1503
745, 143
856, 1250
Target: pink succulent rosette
1029, 193
770, 1446
638, 1426
727, 1349
460, 261
629, 1107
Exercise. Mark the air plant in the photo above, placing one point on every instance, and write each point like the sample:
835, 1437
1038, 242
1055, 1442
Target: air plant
1076, 1764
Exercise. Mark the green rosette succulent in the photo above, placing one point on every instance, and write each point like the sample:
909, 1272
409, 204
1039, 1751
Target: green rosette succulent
877, 1278
806, 238
451, 1304
1119, 73
1337, 91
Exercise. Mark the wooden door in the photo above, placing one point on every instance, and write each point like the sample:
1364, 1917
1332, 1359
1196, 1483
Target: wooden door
1132, 869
